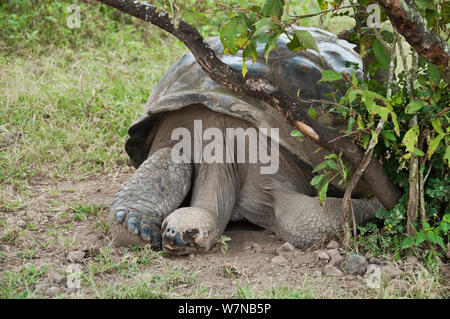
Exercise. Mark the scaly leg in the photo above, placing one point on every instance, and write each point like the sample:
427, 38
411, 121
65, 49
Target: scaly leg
156, 189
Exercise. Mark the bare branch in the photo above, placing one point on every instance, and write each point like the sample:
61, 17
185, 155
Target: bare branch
406, 18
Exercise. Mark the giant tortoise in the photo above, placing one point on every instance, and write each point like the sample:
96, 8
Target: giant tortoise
181, 202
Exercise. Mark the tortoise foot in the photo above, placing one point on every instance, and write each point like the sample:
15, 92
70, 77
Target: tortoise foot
188, 230
156, 189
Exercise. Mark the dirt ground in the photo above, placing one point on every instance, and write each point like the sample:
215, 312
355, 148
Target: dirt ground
64, 226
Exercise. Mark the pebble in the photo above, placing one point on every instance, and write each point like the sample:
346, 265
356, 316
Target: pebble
306, 259
322, 255
377, 261
254, 247
53, 291
56, 278
400, 285
333, 245
317, 274
191, 257
356, 265
390, 272
285, 247
279, 260
412, 260
21, 223
372, 269
76, 256
332, 271
335, 257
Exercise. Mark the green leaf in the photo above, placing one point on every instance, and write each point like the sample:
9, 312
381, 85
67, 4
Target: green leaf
413, 107
435, 239
249, 51
407, 242
332, 156
244, 68
389, 135
330, 76
420, 237
273, 8
312, 113
422, 4
271, 45
410, 139
447, 155
395, 122
351, 122
316, 179
233, 35
320, 167
262, 25
366, 140
305, 41
352, 94
332, 164
381, 54
436, 123
418, 152
323, 193
354, 79
322, 4
434, 143
359, 121
299, 135
434, 75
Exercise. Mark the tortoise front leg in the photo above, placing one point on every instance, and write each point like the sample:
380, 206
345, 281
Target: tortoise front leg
156, 189
214, 195
302, 221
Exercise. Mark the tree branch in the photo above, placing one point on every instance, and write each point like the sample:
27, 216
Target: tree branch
266, 91
406, 18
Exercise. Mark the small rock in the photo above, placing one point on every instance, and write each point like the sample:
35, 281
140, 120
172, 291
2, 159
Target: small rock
356, 265
390, 272
72, 290
400, 285
377, 261
322, 255
56, 278
21, 223
333, 253
333, 245
306, 259
76, 256
372, 269
254, 247
42, 287
279, 260
53, 291
335, 257
191, 257
317, 273
332, 271
285, 247
412, 260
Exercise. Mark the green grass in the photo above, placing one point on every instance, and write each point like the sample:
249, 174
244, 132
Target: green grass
68, 96
20, 283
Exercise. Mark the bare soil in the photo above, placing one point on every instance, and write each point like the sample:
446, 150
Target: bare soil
251, 264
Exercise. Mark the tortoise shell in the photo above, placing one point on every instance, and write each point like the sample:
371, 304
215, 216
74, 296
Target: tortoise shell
185, 83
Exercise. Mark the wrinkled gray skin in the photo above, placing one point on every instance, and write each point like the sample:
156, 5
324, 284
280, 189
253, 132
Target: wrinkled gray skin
183, 207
